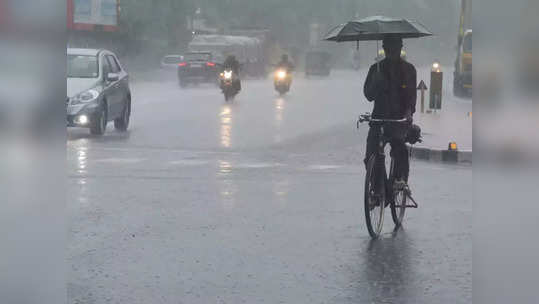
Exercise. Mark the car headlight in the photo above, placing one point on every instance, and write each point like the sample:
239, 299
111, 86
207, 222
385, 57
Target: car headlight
85, 97
228, 74
281, 74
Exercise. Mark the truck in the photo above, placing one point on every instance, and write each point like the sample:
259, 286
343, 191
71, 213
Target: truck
94, 24
93, 15
248, 50
462, 76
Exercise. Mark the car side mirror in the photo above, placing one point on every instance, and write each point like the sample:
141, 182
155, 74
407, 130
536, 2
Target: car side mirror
111, 77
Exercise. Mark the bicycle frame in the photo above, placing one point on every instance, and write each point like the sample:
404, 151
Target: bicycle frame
380, 187
390, 179
380, 157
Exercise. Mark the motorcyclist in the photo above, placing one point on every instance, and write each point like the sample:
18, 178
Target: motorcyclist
285, 63
391, 84
231, 63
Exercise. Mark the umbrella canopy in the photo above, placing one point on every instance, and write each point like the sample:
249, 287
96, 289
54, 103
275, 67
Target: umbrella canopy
376, 28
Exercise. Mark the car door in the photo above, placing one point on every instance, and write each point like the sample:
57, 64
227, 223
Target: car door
123, 80
107, 88
114, 97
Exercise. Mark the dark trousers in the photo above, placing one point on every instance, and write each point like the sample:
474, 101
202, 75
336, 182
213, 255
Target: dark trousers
399, 150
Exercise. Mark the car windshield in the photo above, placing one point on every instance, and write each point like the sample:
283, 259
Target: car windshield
172, 59
197, 57
467, 43
79, 66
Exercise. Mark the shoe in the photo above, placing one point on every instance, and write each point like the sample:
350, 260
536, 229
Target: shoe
399, 185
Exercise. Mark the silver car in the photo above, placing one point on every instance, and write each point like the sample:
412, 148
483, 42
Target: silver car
97, 91
170, 62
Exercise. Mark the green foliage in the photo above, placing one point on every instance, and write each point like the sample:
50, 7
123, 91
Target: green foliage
145, 19
289, 19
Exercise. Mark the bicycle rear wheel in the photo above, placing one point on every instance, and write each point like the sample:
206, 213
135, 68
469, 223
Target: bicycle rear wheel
375, 197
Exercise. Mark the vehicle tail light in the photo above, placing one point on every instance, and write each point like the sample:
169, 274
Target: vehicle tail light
210, 64
182, 64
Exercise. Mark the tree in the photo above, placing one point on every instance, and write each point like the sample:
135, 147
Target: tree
155, 19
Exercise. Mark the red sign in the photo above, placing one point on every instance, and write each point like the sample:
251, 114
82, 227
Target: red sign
93, 15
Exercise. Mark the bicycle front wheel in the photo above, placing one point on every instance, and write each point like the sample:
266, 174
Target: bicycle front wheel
398, 199
375, 197
398, 207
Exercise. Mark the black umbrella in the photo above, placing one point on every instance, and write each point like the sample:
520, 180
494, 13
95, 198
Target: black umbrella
377, 28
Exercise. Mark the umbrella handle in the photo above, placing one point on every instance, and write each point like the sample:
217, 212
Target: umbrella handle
377, 51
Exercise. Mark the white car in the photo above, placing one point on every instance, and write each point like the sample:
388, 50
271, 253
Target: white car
97, 91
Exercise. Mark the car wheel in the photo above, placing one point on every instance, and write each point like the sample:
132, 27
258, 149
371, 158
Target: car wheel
122, 123
99, 125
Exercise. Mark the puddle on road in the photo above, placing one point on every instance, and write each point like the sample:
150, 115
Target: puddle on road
256, 165
82, 158
120, 160
189, 162
323, 167
279, 111
226, 126
224, 167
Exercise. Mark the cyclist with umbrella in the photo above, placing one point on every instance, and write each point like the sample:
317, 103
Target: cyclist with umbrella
391, 84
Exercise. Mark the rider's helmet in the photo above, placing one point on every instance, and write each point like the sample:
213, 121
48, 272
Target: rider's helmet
284, 58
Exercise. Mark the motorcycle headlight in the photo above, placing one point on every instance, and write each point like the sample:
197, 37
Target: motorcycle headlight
228, 74
85, 97
281, 74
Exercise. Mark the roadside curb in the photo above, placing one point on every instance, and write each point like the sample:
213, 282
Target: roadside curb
444, 156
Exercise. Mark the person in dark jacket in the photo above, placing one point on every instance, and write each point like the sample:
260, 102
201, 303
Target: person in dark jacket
285, 63
391, 84
231, 63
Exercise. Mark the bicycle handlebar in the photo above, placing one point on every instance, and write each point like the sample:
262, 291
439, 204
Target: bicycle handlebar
388, 120
368, 118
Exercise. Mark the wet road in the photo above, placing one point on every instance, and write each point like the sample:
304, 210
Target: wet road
259, 201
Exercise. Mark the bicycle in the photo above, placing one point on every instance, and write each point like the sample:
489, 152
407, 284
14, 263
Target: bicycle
380, 189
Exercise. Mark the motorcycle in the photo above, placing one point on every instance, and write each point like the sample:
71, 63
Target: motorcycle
282, 81
229, 84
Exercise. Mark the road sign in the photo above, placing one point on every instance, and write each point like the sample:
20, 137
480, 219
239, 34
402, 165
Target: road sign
422, 86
